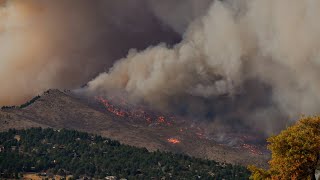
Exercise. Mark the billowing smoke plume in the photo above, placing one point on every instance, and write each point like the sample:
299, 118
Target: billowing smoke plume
63, 44
264, 55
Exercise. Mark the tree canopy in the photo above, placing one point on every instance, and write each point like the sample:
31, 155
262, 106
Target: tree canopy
69, 152
295, 152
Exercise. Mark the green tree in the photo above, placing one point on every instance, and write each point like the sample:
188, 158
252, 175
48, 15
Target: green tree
295, 152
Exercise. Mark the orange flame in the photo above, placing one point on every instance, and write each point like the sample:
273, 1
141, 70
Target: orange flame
134, 113
174, 141
111, 108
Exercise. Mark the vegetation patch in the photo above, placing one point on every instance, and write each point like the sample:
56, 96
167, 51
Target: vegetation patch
50, 152
29, 102
295, 152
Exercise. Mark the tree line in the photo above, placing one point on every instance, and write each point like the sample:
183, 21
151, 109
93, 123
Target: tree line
22, 105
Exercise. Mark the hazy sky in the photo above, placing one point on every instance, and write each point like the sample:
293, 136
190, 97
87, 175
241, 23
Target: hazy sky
262, 55
64, 44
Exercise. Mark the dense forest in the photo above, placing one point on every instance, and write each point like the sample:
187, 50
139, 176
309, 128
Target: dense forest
69, 152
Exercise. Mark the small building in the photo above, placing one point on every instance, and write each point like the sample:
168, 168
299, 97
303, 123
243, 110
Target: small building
17, 137
56, 146
35, 150
111, 178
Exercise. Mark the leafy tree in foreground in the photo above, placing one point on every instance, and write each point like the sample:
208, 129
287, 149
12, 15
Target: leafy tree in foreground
295, 152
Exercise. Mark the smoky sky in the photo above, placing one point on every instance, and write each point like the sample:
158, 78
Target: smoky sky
64, 44
263, 56
244, 63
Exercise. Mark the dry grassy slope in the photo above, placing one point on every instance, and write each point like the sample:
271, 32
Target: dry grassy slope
58, 109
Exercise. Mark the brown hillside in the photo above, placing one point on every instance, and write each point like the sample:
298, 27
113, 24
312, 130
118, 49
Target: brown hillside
58, 109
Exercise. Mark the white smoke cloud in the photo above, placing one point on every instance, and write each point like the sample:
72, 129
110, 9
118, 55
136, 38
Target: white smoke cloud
274, 42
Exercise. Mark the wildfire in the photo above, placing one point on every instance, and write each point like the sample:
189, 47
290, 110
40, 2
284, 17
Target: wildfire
111, 108
161, 119
124, 110
174, 141
121, 108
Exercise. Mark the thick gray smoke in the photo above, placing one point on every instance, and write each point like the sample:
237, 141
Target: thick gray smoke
263, 55
63, 44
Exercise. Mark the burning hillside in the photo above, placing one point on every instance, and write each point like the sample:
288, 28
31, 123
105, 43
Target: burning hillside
174, 140
181, 126
178, 57
200, 77
196, 74
121, 108
165, 132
